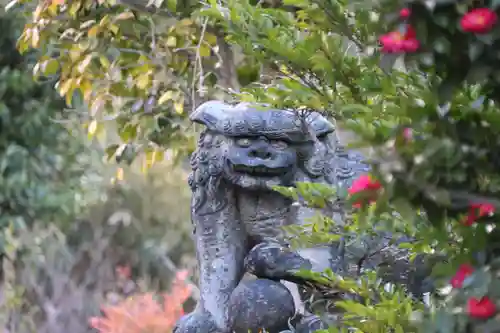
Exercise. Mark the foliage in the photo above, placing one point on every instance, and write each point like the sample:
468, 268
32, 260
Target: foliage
142, 313
58, 268
152, 225
38, 156
121, 245
144, 67
432, 134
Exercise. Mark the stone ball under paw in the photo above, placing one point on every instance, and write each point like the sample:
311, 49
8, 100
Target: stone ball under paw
260, 304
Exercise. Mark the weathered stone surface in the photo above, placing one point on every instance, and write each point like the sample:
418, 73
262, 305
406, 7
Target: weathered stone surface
270, 260
260, 304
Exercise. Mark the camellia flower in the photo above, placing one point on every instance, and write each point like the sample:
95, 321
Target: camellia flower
397, 42
404, 13
479, 21
408, 133
482, 308
478, 210
364, 183
464, 271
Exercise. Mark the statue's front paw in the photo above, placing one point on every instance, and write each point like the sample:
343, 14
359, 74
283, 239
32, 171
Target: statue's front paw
273, 261
196, 322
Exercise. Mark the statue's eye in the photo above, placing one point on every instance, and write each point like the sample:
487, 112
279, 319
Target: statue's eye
244, 142
278, 144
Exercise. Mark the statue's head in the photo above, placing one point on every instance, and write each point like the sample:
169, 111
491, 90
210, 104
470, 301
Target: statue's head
257, 148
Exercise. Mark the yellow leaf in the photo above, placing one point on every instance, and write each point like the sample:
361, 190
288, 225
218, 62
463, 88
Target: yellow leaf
204, 50
143, 81
96, 106
152, 157
210, 38
104, 62
87, 24
113, 28
75, 53
86, 89
94, 31
179, 105
185, 22
35, 38
119, 174
171, 41
85, 63
124, 16
69, 95
38, 12
92, 127
65, 86
104, 21
52, 9
165, 97
50, 67
22, 45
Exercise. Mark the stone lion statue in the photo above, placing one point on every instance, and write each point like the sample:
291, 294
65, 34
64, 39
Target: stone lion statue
243, 152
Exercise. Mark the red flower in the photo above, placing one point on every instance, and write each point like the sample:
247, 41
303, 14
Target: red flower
411, 45
463, 272
364, 184
396, 42
404, 13
408, 133
479, 21
478, 210
482, 308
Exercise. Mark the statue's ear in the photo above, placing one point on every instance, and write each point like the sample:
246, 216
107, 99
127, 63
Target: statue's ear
319, 124
210, 114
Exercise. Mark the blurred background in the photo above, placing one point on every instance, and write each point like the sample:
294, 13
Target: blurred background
79, 232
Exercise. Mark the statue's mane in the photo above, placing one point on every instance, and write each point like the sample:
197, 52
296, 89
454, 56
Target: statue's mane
207, 167
251, 120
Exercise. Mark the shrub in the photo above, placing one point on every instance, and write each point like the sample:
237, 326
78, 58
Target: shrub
431, 124
142, 313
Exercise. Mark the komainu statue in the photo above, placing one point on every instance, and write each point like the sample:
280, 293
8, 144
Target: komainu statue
242, 153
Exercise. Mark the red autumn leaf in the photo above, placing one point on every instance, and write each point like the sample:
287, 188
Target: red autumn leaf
142, 313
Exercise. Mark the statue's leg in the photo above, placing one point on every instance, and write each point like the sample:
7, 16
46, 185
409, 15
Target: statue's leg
221, 249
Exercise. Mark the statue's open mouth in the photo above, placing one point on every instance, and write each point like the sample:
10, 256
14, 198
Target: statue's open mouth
259, 171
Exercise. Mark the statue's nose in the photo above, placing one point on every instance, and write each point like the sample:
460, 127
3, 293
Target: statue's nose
261, 153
